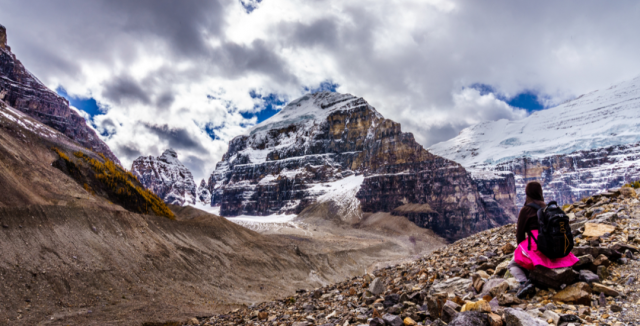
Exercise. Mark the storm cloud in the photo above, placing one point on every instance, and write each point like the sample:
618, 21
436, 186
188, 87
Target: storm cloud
166, 73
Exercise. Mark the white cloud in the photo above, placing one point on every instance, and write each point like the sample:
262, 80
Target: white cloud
156, 64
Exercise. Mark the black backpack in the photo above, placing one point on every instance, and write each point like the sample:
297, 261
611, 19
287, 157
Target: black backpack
554, 234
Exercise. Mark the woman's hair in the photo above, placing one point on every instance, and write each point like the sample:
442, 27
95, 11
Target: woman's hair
534, 191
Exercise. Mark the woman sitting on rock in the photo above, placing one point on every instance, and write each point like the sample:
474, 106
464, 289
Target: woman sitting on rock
527, 257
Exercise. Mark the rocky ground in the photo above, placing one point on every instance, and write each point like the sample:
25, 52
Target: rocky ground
468, 283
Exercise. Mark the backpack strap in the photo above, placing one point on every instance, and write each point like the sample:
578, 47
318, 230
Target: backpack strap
529, 237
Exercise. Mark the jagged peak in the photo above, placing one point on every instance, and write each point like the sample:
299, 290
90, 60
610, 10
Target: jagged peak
3, 36
169, 156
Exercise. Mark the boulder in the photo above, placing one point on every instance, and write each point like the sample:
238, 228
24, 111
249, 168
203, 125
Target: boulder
515, 317
376, 287
374, 322
552, 278
501, 268
508, 248
579, 293
588, 276
550, 314
497, 290
391, 300
508, 299
597, 229
470, 318
601, 288
494, 320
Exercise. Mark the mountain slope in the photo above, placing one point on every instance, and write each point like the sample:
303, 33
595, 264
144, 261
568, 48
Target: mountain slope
167, 177
24, 92
303, 153
575, 149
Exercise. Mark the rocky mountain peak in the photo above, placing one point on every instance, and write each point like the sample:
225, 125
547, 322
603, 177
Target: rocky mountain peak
330, 146
167, 177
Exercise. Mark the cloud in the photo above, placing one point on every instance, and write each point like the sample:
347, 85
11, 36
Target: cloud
168, 73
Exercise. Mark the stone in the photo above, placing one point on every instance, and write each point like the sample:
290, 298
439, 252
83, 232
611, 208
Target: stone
497, 290
494, 320
621, 247
588, 276
452, 286
579, 293
508, 248
552, 278
597, 229
602, 300
392, 320
615, 308
193, 321
603, 273
470, 318
375, 322
449, 311
584, 311
584, 262
435, 304
508, 299
391, 300
478, 283
409, 322
515, 317
501, 268
551, 315
627, 192
602, 260
568, 318
608, 291
263, 315
480, 305
376, 287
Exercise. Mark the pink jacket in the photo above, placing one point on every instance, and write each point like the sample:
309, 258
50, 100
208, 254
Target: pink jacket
529, 259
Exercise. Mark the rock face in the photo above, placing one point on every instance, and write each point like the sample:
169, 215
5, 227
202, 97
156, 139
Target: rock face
167, 177
21, 90
577, 149
330, 144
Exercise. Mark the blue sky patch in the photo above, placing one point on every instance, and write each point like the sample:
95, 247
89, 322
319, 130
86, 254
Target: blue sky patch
88, 105
527, 99
250, 5
272, 103
325, 86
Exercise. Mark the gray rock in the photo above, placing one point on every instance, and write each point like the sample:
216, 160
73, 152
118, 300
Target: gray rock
449, 311
588, 276
515, 317
376, 322
376, 287
548, 314
470, 318
452, 286
392, 320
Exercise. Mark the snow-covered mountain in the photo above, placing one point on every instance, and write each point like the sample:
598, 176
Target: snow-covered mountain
336, 148
580, 147
167, 177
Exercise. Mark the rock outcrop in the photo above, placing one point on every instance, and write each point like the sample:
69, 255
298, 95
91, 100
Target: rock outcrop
296, 158
167, 177
23, 91
577, 149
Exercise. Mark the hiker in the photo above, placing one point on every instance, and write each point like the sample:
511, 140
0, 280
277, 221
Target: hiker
526, 256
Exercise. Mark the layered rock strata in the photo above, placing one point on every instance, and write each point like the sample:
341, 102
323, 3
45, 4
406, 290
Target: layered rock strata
23, 91
167, 177
577, 149
296, 157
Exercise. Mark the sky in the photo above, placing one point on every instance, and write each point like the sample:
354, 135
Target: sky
193, 74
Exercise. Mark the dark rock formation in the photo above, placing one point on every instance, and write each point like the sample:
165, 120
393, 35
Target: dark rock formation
167, 177
21, 90
295, 157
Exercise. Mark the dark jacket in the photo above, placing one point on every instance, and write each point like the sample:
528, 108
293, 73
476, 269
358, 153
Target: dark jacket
528, 218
